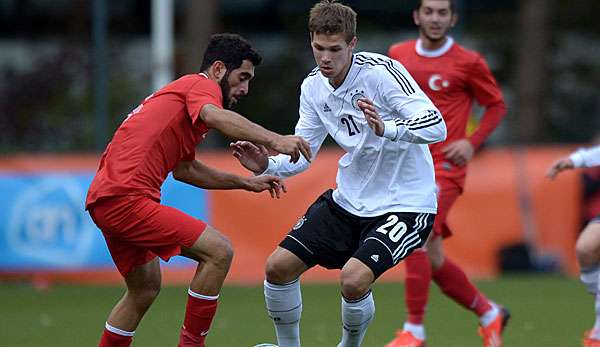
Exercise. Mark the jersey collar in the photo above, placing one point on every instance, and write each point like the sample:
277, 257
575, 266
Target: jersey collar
436, 52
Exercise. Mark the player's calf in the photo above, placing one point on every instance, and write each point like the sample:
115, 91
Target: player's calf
284, 306
356, 316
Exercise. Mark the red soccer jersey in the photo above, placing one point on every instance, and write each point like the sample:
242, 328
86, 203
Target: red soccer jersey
157, 135
453, 78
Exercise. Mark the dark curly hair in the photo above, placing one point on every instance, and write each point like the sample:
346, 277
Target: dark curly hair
231, 49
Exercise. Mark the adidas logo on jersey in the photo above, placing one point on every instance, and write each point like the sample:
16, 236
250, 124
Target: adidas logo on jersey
326, 108
375, 257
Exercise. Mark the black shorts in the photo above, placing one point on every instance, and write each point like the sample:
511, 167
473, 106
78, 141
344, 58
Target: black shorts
329, 236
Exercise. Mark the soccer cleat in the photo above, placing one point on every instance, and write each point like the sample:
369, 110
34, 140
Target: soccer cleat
589, 341
405, 338
492, 334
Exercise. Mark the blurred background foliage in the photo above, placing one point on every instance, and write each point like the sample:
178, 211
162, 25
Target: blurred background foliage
544, 53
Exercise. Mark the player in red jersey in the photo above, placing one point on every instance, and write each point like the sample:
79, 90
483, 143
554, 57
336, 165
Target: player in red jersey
160, 137
453, 78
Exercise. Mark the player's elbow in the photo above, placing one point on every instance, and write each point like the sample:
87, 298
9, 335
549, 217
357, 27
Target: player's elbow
443, 133
497, 108
178, 175
181, 172
439, 133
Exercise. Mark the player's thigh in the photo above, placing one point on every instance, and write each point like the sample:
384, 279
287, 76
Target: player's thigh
435, 250
161, 229
447, 195
211, 245
392, 237
326, 235
588, 244
137, 229
127, 256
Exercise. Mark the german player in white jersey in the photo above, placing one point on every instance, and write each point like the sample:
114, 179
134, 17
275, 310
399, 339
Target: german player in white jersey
385, 201
587, 247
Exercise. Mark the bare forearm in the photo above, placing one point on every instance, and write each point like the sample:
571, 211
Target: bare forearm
236, 126
202, 176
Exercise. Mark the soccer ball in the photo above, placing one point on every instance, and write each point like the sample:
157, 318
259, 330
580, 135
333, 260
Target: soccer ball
265, 345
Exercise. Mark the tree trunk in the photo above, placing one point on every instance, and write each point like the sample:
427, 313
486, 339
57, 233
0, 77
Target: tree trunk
532, 48
200, 19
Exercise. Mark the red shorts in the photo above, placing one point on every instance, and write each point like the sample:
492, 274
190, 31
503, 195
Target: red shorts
448, 192
137, 229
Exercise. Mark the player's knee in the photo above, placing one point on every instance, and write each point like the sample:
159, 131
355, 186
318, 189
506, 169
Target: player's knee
222, 254
145, 296
436, 261
354, 285
586, 254
435, 254
276, 271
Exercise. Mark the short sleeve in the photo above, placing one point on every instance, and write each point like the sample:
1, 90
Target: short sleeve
201, 93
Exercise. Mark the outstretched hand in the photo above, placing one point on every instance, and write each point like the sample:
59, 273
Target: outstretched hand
558, 166
294, 146
252, 157
375, 122
273, 184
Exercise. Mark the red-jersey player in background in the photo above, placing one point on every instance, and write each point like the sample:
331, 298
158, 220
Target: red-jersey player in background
160, 137
453, 78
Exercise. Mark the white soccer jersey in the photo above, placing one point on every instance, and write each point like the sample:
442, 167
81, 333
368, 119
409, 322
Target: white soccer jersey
376, 175
586, 157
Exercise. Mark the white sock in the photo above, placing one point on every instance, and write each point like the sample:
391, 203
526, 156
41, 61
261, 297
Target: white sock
356, 317
488, 317
589, 277
596, 330
418, 330
284, 305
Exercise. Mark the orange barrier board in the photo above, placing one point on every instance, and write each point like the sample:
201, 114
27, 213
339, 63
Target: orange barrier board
507, 200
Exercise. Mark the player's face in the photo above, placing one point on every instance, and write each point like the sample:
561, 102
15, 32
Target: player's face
333, 55
435, 18
236, 83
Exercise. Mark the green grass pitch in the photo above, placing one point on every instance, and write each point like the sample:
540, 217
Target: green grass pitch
547, 311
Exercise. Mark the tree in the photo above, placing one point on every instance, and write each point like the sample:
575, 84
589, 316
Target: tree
532, 50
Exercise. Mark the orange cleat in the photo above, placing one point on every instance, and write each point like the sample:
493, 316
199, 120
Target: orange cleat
492, 334
589, 341
405, 338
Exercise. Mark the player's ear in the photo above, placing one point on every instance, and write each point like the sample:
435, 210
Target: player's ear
352, 43
219, 70
453, 20
416, 18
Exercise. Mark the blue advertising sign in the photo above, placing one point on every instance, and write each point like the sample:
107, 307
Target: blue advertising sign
43, 224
